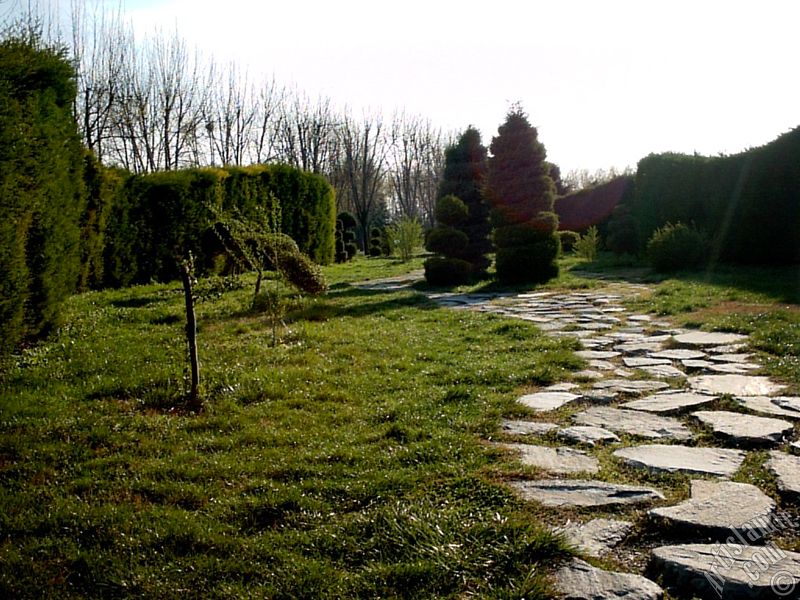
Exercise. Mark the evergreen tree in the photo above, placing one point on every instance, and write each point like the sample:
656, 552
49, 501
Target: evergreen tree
521, 192
463, 177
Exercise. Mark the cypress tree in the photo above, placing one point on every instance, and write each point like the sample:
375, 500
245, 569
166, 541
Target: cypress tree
521, 193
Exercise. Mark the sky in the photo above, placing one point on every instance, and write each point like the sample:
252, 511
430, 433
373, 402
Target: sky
605, 82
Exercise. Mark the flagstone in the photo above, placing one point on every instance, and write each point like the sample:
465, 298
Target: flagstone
583, 492
735, 385
634, 422
721, 462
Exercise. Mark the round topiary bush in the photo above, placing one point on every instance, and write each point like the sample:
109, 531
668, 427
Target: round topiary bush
447, 271
451, 211
677, 246
568, 240
447, 241
534, 263
523, 234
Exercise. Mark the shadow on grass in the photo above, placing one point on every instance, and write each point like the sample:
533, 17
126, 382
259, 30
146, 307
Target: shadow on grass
780, 283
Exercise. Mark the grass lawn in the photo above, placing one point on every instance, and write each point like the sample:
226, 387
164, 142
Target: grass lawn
348, 460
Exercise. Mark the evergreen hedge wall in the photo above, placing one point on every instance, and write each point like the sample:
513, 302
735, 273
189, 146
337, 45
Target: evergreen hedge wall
42, 194
159, 216
748, 204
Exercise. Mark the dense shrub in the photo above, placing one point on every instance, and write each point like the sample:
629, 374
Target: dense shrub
447, 241
451, 211
463, 177
579, 210
527, 264
377, 243
440, 270
676, 247
42, 195
622, 235
747, 202
160, 216
521, 193
568, 240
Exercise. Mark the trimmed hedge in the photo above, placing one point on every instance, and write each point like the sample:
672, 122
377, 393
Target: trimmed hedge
42, 194
444, 271
160, 216
748, 202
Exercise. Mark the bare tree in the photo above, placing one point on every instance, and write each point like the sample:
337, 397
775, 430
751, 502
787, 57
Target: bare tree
267, 120
100, 50
230, 117
416, 159
362, 168
307, 133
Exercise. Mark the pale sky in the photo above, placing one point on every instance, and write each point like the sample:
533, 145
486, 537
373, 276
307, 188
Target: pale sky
606, 82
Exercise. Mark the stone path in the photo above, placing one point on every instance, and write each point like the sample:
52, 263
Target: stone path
662, 398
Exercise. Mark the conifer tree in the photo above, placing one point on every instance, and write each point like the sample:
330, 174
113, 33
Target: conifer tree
521, 193
463, 177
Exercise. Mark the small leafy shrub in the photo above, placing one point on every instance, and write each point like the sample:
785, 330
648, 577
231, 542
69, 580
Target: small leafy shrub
451, 211
676, 246
587, 244
447, 271
447, 241
569, 240
404, 236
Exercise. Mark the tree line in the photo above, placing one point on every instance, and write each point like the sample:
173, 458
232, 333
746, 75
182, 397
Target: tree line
152, 103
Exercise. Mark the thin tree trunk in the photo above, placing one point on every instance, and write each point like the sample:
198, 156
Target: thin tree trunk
191, 335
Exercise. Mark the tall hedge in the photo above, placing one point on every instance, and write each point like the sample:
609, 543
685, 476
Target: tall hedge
42, 195
748, 204
160, 216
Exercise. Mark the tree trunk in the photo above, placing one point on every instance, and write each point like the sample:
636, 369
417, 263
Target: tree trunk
194, 402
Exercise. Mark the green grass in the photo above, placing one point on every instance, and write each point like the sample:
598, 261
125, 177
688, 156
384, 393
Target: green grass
346, 461
349, 460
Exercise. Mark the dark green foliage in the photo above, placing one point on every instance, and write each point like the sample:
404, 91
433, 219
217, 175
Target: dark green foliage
346, 247
451, 242
103, 186
447, 241
348, 220
160, 216
568, 240
276, 245
622, 235
377, 242
521, 193
528, 264
746, 202
451, 211
42, 196
447, 271
463, 177
676, 247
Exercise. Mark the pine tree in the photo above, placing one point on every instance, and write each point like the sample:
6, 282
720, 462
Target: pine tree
521, 193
